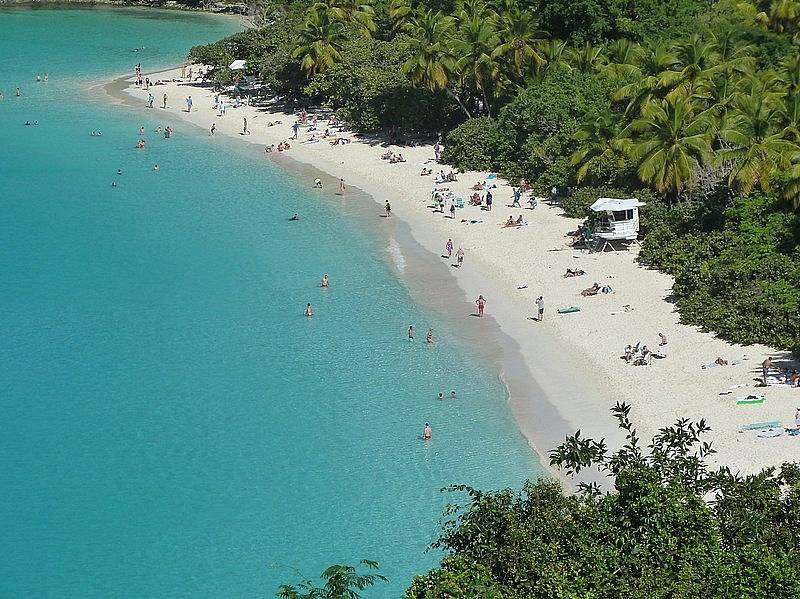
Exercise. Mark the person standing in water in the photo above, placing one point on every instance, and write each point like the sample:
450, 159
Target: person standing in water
244, 128
429, 336
449, 248
341, 186
427, 433
189, 104
309, 310
325, 282
213, 129
481, 303
19, 93
388, 208
411, 333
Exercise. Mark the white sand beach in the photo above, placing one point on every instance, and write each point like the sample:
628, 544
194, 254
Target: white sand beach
575, 358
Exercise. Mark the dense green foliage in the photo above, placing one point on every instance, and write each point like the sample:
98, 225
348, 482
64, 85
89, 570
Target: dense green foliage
691, 105
654, 535
340, 582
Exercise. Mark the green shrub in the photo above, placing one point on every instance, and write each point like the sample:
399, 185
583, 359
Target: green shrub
476, 144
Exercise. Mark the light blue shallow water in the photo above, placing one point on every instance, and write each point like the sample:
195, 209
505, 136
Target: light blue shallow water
172, 426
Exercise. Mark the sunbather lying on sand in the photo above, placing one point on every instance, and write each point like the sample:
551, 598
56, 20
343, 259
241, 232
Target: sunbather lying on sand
591, 290
425, 172
574, 273
475, 200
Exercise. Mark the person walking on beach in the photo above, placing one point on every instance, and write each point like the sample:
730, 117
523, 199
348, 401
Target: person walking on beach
388, 208
411, 333
448, 247
244, 128
150, 100
429, 336
488, 200
481, 303
765, 366
164, 105
213, 129
460, 257
427, 433
662, 345
189, 104
453, 210
341, 186
797, 419
309, 310
295, 129
540, 308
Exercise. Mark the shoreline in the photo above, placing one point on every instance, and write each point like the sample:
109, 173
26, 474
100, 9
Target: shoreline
562, 374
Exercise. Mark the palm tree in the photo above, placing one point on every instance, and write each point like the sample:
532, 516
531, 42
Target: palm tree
519, 37
321, 39
623, 59
554, 54
600, 144
697, 61
398, 11
757, 151
432, 63
587, 58
473, 46
669, 144
358, 12
655, 59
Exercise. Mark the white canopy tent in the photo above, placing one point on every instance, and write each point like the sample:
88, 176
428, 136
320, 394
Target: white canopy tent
620, 222
238, 65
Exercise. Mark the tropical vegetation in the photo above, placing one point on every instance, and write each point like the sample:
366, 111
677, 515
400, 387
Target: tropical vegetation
692, 104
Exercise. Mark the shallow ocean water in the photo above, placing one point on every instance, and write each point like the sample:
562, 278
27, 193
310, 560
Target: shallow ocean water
172, 425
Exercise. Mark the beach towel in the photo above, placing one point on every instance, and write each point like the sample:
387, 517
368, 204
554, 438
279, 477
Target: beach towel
773, 432
761, 425
749, 399
569, 310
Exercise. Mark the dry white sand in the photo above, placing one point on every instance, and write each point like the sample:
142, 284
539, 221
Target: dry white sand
574, 358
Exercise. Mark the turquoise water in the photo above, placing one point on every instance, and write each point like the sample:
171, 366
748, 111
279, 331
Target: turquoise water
172, 426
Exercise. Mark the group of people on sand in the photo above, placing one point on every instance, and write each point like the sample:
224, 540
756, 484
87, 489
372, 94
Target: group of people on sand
641, 355
448, 248
595, 289
392, 158
784, 376
514, 223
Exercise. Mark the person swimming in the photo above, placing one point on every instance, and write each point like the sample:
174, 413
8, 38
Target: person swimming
119, 171
427, 433
440, 396
155, 167
318, 183
452, 395
429, 336
295, 217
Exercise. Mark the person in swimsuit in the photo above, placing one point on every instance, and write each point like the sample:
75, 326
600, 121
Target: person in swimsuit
452, 395
481, 303
449, 247
440, 396
429, 336
309, 310
427, 433
460, 257
295, 217
341, 186
411, 333
325, 282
